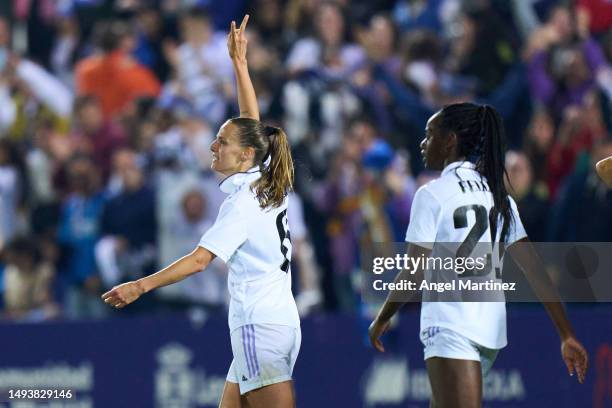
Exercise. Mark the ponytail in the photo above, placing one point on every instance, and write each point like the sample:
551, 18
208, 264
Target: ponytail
491, 165
480, 138
277, 175
272, 155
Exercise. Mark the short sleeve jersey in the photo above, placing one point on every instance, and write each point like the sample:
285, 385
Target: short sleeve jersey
461, 194
255, 244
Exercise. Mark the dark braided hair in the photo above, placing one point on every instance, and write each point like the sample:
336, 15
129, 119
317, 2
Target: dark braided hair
481, 140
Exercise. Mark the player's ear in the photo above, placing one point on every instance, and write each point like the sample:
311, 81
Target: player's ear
451, 144
248, 153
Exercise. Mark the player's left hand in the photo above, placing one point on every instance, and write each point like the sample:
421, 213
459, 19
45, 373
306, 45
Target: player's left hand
124, 294
237, 41
575, 357
375, 331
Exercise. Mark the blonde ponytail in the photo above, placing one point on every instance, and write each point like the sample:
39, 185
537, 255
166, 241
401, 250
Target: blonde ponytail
277, 176
272, 155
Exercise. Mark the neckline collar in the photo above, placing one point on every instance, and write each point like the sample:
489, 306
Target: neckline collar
232, 183
464, 164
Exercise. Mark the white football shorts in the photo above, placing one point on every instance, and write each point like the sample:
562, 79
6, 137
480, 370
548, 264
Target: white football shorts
264, 354
446, 343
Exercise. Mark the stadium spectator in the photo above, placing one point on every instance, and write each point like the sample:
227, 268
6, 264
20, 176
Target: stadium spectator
422, 66
150, 42
8, 112
419, 14
41, 165
303, 260
79, 230
11, 189
268, 22
28, 92
581, 127
38, 18
564, 64
329, 49
27, 282
532, 203
114, 65
585, 200
484, 52
318, 98
537, 143
185, 142
599, 14
183, 226
66, 49
339, 199
129, 220
203, 73
94, 135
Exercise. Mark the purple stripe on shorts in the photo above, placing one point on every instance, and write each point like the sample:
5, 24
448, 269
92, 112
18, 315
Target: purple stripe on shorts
251, 348
245, 349
256, 365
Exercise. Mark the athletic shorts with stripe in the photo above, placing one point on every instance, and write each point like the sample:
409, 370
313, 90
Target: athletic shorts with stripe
443, 342
264, 354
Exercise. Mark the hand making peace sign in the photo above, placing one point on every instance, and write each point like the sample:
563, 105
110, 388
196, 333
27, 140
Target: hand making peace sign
237, 41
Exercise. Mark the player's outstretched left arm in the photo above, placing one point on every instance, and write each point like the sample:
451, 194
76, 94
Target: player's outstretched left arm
572, 351
126, 293
237, 48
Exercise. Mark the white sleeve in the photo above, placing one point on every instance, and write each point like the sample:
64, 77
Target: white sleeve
48, 89
517, 230
228, 232
422, 228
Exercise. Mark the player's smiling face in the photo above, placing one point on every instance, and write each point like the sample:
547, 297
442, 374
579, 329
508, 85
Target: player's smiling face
228, 154
435, 145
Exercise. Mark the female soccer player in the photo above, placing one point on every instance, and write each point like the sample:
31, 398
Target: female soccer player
251, 236
462, 339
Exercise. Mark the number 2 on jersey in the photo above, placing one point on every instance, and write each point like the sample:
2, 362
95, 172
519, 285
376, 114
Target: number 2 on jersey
474, 235
282, 225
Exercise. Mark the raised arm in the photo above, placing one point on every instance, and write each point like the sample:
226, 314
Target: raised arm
237, 47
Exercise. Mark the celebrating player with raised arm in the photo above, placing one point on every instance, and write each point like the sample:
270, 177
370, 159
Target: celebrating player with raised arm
251, 235
462, 339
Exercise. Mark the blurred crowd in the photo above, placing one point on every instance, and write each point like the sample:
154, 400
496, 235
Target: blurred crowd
108, 108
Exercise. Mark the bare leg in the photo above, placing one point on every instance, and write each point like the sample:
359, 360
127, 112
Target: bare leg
454, 383
280, 395
231, 397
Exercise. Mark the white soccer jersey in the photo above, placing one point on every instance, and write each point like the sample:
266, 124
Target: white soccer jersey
460, 192
255, 244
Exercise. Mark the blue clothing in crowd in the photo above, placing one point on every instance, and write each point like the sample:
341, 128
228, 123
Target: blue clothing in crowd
78, 232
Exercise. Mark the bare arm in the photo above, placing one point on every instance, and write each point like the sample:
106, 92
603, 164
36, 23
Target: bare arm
179, 270
526, 257
573, 353
237, 47
395, 300
124, 294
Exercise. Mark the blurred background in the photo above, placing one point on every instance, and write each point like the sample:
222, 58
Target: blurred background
107, 111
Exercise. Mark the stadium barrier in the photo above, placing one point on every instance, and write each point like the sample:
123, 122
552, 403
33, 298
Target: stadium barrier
180, 361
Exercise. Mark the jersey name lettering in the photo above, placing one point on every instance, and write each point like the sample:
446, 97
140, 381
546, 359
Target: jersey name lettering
473, 185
